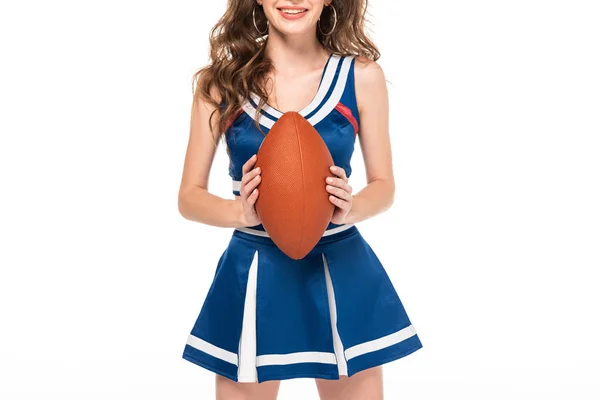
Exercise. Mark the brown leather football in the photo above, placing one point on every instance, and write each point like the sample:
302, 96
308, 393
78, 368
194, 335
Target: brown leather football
292, 202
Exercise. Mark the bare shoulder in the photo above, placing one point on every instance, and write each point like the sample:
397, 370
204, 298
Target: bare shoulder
201, 84
369, 81
206, 101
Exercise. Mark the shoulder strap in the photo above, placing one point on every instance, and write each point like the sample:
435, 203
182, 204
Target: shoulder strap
342, 91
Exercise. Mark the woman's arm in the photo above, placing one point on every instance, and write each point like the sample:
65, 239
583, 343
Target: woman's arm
374, 137
195, 203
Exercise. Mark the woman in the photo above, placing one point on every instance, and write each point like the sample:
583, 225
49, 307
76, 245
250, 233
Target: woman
333, 315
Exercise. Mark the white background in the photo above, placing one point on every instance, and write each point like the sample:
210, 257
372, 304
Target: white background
492, 242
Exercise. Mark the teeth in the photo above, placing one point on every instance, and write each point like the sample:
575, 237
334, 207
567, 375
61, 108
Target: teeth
292, 11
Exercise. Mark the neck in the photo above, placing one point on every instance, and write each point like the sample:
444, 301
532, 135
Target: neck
294, 55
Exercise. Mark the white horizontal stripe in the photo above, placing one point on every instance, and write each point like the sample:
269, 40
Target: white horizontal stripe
211, 349
378, 344
337, 229
328, 232
251, 231
295, 358
236, 185
336, 95
307, 356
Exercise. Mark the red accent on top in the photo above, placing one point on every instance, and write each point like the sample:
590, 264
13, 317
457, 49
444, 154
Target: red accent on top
346, 112
233, 118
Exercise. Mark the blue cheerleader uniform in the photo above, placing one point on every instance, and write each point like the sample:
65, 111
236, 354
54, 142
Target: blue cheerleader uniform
335, 312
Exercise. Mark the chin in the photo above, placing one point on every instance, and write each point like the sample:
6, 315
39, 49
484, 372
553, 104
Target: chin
294, 31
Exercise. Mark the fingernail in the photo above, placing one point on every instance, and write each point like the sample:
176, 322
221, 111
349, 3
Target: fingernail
332, 167
329, 180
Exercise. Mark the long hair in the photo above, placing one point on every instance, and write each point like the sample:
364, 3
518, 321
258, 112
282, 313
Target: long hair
238, 64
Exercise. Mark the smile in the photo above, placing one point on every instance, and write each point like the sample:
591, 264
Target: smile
292, 13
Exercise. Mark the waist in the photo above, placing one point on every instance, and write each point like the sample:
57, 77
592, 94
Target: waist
332, 233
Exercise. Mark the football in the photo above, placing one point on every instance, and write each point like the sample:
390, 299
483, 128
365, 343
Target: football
292, 203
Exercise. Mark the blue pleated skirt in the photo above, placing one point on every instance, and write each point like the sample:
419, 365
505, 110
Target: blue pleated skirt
269, 317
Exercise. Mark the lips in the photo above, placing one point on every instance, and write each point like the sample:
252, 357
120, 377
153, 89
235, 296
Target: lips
298, 12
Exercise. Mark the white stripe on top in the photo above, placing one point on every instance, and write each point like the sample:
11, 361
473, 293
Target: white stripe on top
328, 76
336, 95
324, 110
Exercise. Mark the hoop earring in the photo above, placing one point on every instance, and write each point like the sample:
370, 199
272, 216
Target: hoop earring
334, 22
254, 20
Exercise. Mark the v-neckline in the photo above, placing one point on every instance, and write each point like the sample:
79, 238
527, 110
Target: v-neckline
278, 113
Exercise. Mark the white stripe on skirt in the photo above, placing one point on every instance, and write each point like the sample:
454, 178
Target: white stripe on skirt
247, 359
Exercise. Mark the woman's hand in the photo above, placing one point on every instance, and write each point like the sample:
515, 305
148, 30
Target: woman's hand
249, 193
341, 194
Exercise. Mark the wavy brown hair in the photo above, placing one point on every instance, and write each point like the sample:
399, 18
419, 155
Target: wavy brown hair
238, 64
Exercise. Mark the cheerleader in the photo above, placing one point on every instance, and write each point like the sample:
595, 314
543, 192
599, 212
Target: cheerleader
333, 315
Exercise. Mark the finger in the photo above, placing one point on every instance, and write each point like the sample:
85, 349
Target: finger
339, 202
339, 182
250, 175
252, 184
248, 164
340, 193
341, 172
252, 198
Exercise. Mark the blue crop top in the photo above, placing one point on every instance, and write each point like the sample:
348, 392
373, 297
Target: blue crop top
333, 112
